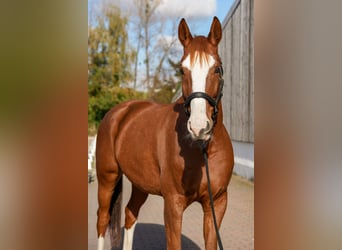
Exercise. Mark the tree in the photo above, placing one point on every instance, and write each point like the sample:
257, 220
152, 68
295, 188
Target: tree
157, 48
109, 64
168, 88
145, 12
109, 54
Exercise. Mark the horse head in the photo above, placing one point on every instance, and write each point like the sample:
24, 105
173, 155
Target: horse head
202, 81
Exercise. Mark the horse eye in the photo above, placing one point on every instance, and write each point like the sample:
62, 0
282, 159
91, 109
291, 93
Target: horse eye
219, 70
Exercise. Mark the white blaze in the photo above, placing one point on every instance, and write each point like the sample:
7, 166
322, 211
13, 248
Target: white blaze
199, 71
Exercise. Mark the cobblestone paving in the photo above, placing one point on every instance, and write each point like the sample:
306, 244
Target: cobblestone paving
237, 229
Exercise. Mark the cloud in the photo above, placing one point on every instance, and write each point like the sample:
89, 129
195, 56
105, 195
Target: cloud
168, 8
187, 8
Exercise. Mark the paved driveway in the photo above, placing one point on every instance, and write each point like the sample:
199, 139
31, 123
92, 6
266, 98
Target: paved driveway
237, 230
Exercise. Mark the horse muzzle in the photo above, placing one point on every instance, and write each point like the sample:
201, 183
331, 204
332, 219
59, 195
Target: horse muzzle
200, 129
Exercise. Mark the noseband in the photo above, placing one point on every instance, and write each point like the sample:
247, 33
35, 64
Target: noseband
212, 101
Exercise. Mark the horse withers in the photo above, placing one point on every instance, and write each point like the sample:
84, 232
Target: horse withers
158, 148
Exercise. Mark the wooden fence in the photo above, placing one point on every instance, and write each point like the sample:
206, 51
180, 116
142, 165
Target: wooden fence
237, 54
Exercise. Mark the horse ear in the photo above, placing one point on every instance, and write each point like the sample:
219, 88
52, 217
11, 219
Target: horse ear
215, 33
184, 34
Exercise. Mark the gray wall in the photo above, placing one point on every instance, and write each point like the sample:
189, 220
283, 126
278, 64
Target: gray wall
237, 54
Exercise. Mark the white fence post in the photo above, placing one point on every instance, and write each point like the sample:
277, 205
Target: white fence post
91, 153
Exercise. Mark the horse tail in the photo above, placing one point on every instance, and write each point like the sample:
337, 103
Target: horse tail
115, 215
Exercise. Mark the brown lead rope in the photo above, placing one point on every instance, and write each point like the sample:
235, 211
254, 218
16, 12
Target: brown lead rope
205, 156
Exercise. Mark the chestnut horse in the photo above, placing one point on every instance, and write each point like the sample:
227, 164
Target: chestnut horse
157, 147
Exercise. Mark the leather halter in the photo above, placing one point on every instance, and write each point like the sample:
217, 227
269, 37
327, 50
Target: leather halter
212, 101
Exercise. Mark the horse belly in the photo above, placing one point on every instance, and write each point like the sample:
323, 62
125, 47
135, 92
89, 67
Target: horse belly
143, 174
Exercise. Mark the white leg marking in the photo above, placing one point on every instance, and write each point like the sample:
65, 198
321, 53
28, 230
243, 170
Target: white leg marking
100, 243
128, 238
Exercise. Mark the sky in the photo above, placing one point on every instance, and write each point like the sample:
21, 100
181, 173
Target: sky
198, 14
201, 24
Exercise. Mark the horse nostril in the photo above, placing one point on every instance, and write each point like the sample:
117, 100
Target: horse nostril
208, 125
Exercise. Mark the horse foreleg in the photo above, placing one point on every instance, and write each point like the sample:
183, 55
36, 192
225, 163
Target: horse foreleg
220, 204
173, 213
131, 214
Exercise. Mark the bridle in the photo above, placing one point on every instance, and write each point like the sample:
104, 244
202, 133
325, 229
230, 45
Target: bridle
212, 101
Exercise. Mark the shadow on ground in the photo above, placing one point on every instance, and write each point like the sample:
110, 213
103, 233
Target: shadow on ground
152, 237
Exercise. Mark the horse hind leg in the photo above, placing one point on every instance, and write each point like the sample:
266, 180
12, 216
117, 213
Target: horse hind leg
109, 211
137, 199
